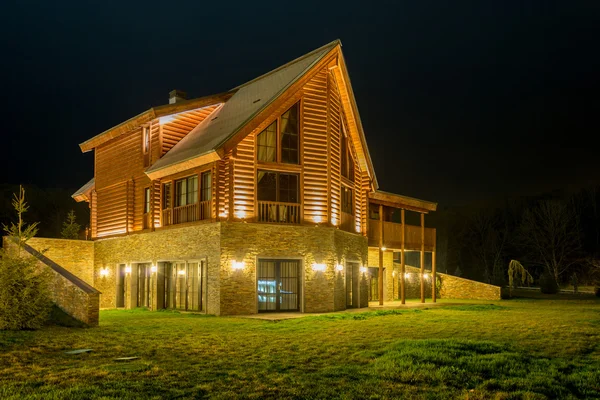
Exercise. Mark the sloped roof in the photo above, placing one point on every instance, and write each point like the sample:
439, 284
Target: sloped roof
399, 201
248, 100
83, 192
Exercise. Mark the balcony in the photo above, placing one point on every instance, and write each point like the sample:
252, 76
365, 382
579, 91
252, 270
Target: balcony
392, 236
188, 213
277, 212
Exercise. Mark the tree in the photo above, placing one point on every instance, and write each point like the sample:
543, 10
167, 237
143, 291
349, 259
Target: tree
550, 233
516, 273
24, 287
70, 227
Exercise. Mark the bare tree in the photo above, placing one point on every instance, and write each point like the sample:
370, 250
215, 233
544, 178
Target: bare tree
551, 234
487, 236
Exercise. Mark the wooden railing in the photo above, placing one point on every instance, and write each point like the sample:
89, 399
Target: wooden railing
187, 213
347, 223
283, 213
392, 236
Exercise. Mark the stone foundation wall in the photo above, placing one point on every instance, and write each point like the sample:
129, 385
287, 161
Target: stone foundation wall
454, 287
189, 243
322, 291
76, 256
389, 288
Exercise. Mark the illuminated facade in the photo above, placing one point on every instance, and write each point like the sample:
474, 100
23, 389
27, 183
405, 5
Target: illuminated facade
261, 198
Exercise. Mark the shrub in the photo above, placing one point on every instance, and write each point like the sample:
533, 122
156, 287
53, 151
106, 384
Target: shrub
548, 285
24, 293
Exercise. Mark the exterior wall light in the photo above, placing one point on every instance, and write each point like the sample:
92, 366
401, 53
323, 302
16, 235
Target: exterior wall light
426, 276
339, 267
128, 269
104, 272
319, 267
393, 273
223, 215
357, 228
317, 219
407, 275
334, 221
240, 214
181, 272
363, 269
237, 265
384, 248
154, 268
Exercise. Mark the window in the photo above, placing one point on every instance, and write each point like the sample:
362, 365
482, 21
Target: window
167, 195
186, 191
347, 164
146, 139
146, 200
282, 135
278, 186
206, 185
347, 200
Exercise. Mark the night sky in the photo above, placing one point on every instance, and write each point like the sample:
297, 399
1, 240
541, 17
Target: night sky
461, 102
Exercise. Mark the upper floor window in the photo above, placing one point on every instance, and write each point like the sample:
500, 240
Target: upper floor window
206, 186
146, 145
278, 187
146, 200
347, 163
186, 191
347, 200
280, 141
166, 195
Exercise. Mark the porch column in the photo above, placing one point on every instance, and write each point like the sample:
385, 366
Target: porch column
433, 267
380, 279
402, 261
422, 257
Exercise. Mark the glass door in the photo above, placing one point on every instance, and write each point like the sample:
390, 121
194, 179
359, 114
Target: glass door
349, 284
144, 285
278, 285
121, 285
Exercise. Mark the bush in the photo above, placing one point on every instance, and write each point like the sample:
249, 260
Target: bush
24, 293
548, 285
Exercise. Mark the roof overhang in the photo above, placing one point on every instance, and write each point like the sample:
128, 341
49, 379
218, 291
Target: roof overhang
399, 201
84, 193
149, 115
181, 166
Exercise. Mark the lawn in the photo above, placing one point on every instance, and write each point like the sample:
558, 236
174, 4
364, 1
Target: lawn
520, 348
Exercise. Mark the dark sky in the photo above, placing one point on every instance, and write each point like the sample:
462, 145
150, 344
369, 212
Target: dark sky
460, 101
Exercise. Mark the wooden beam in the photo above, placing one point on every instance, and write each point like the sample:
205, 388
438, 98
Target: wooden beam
422, 258
402, 261
380, 279
433, 267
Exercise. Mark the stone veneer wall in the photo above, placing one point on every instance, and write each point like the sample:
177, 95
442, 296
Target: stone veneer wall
389, 289
180, 243
74, 296
322, 291
76, 256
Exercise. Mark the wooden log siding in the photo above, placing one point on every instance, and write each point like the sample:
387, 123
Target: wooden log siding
155, 140
314, 120
112, 211
364, 201
334, 149
94, 214
119, 160
223, 193
156, 205
180, 125
244, 179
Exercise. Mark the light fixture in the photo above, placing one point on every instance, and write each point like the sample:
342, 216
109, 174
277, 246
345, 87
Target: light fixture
104, 272
223, 215
128, 269
319, 267
357, 228
363, 269
166, 119
334, 221
240, 214
153, 268
384, 248
237, 265
339, 267
425, 275
181, 272
317, 219
407, 275
393, 273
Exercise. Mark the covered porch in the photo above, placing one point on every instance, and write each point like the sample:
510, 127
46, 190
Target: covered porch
389, 233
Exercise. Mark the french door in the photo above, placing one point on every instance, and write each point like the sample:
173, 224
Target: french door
184, 285
278, 285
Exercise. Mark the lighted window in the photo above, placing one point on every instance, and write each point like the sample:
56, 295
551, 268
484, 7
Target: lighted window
347, 163
167, 195
147, 200
280, 141
146, 139
206, 186
186, 191
347, 200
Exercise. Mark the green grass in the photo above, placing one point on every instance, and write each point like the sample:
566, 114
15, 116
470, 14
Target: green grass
523, 348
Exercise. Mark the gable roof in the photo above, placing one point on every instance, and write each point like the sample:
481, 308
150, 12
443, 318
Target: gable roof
83, 193
248, 101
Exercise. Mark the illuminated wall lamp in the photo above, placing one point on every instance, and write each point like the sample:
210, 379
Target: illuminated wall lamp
104, 272
153, 268
384, 248
237, 265
407, 275
317, 219
181, 272
240, 214
128, 270
319, 267
426, 276
339, 267
363, 269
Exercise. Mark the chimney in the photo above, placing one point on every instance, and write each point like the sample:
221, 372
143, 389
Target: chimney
175, 96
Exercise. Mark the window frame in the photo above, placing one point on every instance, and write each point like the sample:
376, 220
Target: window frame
277, 185
347, 161
279, 139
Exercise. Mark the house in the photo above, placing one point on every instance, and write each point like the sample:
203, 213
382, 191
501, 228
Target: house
261, 198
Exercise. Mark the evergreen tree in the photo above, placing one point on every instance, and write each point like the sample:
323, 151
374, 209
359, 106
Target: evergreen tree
70, 227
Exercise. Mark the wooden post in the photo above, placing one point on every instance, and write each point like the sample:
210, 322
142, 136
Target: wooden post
402, 262
380, 279
433, 267
422, 257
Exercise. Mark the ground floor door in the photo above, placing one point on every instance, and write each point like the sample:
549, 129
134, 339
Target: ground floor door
373, 284
121, 285
352, 285
144, 285
278, 285
182, 285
